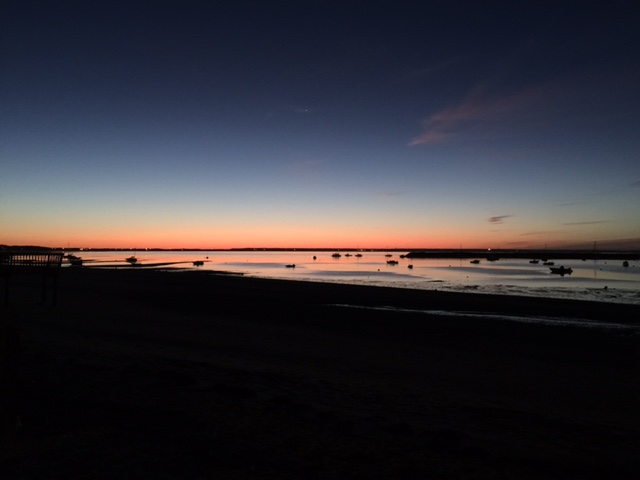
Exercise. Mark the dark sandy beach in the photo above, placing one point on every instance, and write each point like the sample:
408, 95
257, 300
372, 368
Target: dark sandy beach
147, 374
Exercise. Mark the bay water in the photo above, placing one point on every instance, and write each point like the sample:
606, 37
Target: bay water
603, 280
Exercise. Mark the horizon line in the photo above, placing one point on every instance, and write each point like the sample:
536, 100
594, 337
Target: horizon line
578, 248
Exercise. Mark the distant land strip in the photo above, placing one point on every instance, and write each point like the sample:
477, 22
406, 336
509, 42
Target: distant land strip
489, 254
542, 255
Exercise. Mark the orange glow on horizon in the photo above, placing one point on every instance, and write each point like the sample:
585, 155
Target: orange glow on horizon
395, 234
287, 239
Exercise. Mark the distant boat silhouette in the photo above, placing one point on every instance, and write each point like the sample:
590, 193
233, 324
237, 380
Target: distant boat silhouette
336, 255
291, 265
561, 270
358, 254
132, 259
625, 264
476, 261
392, 262
198, 263
74, 260
409, 266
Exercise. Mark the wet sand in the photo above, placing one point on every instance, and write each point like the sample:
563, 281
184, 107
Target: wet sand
148, 374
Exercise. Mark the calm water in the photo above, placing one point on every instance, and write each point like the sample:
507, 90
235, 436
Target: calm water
599, 280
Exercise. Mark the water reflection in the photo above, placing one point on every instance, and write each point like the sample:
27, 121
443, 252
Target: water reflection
607, 280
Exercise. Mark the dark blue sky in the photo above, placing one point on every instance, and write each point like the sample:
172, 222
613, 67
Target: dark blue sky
371, 124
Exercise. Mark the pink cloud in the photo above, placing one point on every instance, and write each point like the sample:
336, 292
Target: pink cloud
481, 107
444, 124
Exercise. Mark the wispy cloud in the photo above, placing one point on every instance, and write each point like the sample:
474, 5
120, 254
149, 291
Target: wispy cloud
533, 105
446, 123
478, 107
498, 219
595, 222
541, 232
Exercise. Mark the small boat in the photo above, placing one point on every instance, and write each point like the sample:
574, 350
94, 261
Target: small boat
475, 262
392, 262
358, 255
347, 254
336, 255
625, 264
198, 263
291, 265
410, 266
74, 260
132, 259
561, 270
388, 255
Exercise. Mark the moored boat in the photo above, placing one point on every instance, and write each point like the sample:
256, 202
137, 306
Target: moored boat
561, 270
74, 260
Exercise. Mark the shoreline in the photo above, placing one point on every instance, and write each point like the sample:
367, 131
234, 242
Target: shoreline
608, 290
192, 375
445, 253
293, 292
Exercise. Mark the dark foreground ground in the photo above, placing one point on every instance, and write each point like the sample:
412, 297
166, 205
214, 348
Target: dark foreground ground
145, 374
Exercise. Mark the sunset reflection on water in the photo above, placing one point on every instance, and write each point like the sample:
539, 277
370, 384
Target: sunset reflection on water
602, 280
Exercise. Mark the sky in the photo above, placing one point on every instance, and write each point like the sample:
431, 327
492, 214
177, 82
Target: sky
319, 124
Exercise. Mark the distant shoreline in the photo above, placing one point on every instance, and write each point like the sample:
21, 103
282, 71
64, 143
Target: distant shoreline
489, 254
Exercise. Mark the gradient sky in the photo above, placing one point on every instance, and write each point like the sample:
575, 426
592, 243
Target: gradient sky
319, 124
